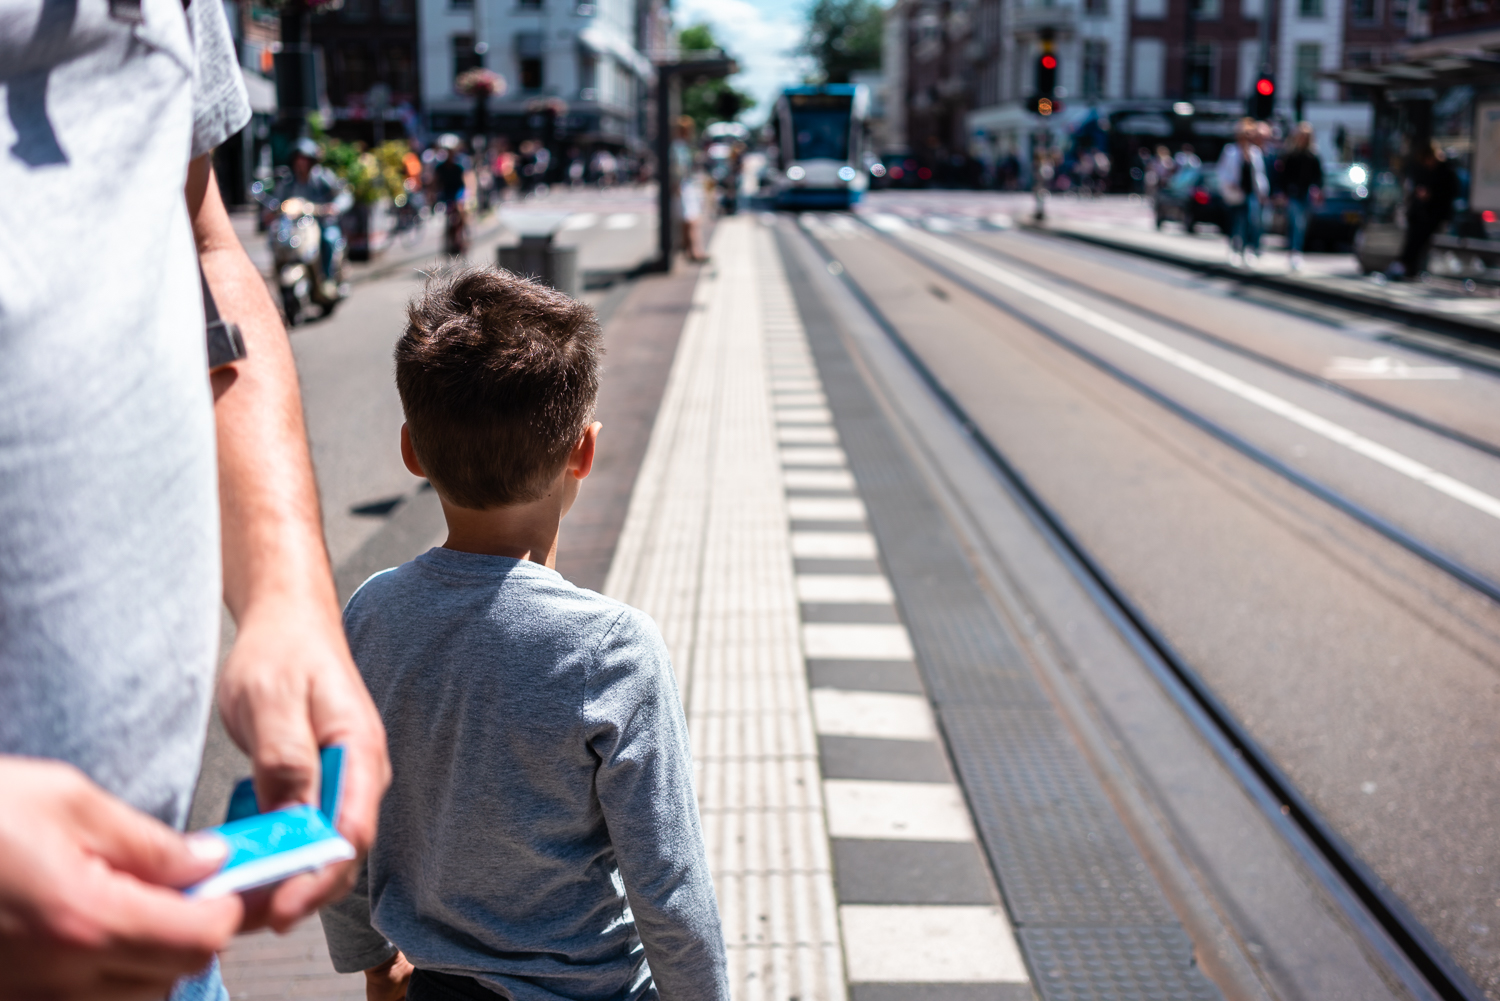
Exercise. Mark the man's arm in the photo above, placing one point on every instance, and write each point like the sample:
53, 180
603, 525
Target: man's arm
289, 684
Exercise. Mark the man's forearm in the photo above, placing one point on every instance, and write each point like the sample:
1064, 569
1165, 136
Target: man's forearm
272, 527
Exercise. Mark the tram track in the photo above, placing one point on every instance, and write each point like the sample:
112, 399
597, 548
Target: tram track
1450, 565
1388, 927
1234, 347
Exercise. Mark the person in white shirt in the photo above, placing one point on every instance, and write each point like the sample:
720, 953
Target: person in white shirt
1242, 179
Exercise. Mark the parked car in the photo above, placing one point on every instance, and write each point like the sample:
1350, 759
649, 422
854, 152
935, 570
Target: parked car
1333, 223
1192, 197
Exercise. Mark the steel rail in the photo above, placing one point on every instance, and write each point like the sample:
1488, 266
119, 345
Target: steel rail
1453, 567
1383, 920
1390, 409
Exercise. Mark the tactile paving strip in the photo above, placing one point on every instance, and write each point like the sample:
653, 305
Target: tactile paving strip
1123, 964
1092, 922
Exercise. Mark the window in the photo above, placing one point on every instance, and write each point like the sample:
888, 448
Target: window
1310, 8
1095, 68
529, 65
398, 11
1150, 8
1198, 67
1309, 62
1364, 11
1250, 9
531, 73
464, 56
460, 4
1205, 10
400, 70
1147, 57
356, 67
356, 11
529, 4
1096, 8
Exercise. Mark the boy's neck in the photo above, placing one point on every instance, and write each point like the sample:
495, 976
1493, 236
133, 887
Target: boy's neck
521, 531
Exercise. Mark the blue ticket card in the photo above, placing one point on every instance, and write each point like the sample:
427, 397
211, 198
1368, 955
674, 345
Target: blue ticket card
266, 848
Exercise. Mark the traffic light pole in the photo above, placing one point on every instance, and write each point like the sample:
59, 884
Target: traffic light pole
1267, 13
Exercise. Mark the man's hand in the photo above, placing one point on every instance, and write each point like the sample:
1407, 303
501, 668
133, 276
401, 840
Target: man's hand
387, 982
288, 688
289, 684
89, 900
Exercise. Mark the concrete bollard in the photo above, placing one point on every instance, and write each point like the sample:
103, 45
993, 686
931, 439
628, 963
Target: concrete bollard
536, 257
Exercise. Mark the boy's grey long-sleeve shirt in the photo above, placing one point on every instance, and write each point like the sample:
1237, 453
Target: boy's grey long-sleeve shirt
540, 826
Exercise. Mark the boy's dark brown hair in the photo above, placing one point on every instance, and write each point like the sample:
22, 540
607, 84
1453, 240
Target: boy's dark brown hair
497, 376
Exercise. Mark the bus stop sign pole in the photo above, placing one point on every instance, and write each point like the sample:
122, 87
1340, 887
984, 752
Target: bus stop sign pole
670, 77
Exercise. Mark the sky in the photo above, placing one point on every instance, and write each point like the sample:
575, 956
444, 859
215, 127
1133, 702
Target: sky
762, 36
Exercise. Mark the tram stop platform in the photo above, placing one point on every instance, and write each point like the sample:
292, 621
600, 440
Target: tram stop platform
898, 802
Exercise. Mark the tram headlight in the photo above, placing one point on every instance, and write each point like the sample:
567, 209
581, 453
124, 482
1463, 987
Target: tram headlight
846, 173
795, 173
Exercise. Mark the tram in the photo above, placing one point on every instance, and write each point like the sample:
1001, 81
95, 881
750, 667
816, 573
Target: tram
819, 137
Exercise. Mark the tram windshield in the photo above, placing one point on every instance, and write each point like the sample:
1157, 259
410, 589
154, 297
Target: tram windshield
820, 126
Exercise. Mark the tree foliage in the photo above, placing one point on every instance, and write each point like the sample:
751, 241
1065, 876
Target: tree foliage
843, 36
709, 101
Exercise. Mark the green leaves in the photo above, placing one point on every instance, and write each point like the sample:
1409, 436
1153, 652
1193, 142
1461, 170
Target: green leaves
843, 36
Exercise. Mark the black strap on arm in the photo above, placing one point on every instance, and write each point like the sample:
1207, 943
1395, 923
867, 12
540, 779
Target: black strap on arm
225, 345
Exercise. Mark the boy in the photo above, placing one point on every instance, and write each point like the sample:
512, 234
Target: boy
540, 839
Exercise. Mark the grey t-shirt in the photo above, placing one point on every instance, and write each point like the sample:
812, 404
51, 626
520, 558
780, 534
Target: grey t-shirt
540, 825
109, 539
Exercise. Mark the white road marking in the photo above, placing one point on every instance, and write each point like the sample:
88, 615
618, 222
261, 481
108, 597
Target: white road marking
837, 641
806, 434
845, 589
818, 479
621, 220
1386, 367
833, 545
929, 944
1336, 433
580, 220
804, 415
791, 400
896, 811
793, 384
878, 715
825, 509
812, 457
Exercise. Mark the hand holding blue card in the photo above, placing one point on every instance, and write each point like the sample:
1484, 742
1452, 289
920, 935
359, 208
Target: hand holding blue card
266, 848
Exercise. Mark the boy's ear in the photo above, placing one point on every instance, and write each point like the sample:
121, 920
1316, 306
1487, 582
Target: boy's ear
581, 460
409, 454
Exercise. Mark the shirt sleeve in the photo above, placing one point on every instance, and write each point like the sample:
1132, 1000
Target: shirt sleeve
221, 107
636, 726
353, 943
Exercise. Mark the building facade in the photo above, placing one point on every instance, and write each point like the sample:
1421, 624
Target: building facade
370, 59
577, 70
1178, 72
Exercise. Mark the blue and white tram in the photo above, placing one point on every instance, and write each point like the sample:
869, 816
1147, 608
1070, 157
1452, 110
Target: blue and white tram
819, 133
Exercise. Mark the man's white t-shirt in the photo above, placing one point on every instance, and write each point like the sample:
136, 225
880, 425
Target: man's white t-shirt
109, 532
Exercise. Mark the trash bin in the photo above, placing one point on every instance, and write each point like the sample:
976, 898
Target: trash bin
537, 257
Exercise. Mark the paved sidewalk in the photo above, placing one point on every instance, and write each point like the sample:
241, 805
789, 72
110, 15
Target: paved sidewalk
747, 541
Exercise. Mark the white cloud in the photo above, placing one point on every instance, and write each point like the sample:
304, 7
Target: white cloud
761, 36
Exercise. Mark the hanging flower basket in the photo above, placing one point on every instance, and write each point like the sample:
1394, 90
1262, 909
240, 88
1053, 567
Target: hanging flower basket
479, 82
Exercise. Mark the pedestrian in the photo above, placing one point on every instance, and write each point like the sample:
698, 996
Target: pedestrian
689, 189
138, 493
1431, 188
1242, 179
1186, 158
1299, 175
542, 836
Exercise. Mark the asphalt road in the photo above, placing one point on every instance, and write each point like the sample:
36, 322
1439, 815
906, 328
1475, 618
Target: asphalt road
1371, 677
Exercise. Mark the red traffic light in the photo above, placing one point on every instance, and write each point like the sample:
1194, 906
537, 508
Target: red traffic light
1049, 62
1265, 86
